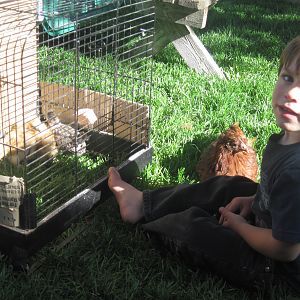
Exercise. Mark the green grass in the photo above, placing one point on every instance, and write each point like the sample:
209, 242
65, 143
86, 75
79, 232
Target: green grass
56, 181
97, 74
110, 260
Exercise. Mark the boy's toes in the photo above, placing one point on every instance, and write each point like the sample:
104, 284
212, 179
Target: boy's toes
112, 172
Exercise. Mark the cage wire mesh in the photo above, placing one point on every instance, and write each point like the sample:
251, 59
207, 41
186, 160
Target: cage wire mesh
75, 92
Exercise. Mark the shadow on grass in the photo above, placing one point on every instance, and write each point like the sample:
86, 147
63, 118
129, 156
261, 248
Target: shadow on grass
257, 26
182, 165
251, 28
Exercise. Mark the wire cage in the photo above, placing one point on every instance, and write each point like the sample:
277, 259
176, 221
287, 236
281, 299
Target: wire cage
75, 90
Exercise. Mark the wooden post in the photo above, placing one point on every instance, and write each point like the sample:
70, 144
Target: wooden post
18, 62
195, 54
174, 22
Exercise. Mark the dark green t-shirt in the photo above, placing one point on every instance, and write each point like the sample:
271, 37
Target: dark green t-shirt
277, 202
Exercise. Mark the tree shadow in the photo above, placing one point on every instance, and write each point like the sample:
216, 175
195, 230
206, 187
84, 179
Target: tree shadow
251, 28
260, 27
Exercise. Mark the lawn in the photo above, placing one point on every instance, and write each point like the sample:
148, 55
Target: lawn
106, 259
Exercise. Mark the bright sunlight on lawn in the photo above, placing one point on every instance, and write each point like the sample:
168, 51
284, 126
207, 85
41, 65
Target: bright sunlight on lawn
110, 260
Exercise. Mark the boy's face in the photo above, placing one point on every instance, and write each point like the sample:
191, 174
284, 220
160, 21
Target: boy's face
286, 101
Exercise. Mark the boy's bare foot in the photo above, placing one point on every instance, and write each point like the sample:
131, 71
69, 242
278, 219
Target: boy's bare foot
130, 199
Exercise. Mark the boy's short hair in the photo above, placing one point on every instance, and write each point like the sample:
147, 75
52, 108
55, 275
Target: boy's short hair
290, 52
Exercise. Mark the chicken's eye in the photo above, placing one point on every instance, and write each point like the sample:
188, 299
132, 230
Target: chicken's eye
287, 78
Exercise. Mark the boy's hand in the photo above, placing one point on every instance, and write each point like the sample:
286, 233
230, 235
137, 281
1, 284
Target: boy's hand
240, 205
230, 219
260, 239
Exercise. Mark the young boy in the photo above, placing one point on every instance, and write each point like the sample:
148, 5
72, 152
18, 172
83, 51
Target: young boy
245, 232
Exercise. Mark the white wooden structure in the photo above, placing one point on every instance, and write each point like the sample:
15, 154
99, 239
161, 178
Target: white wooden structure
175, 19
18, 62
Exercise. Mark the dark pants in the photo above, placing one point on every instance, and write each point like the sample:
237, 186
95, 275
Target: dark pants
184, 219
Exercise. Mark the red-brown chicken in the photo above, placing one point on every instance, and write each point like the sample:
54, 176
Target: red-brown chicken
231, 154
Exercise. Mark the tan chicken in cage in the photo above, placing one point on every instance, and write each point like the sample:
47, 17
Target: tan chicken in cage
38, 141
231, 154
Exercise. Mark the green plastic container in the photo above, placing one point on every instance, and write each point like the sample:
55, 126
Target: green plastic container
62, 16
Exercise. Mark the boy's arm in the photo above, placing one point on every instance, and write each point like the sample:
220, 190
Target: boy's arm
260, 239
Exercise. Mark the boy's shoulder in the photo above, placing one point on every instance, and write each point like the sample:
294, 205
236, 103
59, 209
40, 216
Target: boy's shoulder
279, 159
275, 146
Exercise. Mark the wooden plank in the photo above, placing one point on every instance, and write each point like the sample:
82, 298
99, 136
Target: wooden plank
61, 98
174, 20
174, 13
131, 120
188, 45
197, 19
167, 32
195, 54
171, 12
130, 133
